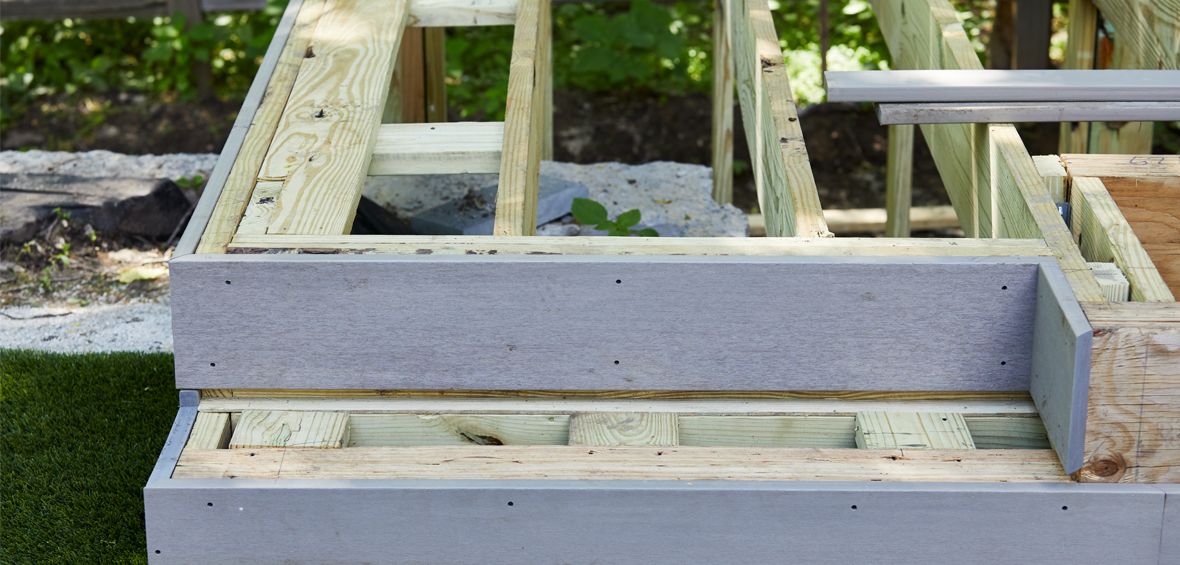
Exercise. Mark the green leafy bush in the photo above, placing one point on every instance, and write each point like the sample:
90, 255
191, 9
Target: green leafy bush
590, 213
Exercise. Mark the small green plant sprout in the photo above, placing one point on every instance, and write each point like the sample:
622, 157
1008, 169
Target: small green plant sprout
590, 213
193, 183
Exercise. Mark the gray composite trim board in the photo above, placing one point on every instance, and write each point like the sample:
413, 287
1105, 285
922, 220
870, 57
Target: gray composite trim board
1170, 544
604, 322
182, 425
652, 522
1003, 86
1060, 385
233, 144
1010, 112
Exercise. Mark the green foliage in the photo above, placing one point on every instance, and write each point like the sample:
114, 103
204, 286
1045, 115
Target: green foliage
590, 213
193, 183
79, 435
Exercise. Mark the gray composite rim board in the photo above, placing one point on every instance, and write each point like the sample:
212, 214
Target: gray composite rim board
182, 425
1003, 86
233, 144
1060, 384
1011, 112
671, 323
1170, 544
656, 522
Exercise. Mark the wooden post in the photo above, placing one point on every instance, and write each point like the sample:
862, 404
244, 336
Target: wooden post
436, 73
1120, 137
1033, 26
1001, 46
547, 84
899, 181
722, 105
1079, 54
406, 103
824, 40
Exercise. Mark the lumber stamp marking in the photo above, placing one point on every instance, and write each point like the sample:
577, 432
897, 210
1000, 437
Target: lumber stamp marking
623, 428
915, 430
264, 428
211, 430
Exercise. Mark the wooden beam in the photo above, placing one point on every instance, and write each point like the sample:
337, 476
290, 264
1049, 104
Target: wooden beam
436, 74
438, 148
979, 85
1108, 167
406, 102
988, 432
913, 430
546, 80
467, 245
516, 198
898, 182
624, 462
367, 430
325, 138
1105, 236
864, 220
990, 177
239, 186
723, 76
265, 428
1149, 28
1052, 170
1079, 54
211, 430
623, 428
787, 195
1115, 286
456, 13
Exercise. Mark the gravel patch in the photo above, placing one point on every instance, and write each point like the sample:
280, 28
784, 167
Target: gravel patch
140, 326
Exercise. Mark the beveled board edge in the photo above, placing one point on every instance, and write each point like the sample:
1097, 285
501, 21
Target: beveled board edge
186, 415
229, 152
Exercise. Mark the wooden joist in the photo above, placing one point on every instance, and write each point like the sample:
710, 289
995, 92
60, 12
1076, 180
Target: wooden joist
912, 430
273, 428
1114, 284
1148, 28
899, 177
623, 428
438, 148
211, 430
367, 430
457, 13
723, 77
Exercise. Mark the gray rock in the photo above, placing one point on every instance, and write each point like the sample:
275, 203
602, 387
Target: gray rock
105, 164
141, 326
475, 213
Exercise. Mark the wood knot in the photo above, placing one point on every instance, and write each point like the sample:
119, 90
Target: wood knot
767, 64
1105, 467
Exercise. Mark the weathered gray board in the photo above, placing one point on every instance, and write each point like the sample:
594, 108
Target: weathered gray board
1012, 112
1170, 544
604, 322
1060, 385
1003, 86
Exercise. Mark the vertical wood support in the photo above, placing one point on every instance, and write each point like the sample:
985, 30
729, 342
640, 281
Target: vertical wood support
623, 428
547, 84
1033, 28
913, 430
722, 104
1052, 170
520, 165
1001, 45
211, 430
436, 73
1079, 54
899, 181
406, 101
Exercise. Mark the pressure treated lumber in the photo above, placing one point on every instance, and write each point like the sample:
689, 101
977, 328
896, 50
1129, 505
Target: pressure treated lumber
622, 463
239, 185
438, 148
1115, 286
435, 45
723, 77
1079, 54
1052, 170
1148, 28
324, 142
862, 220
1105, 236
456, 13
1134, 400
321, 430
623, 428
979, 85
899, 176
991, 179
406, 102
377, 429
211, 430
520, 166
912, 430
787, 195
967, 112
469, 245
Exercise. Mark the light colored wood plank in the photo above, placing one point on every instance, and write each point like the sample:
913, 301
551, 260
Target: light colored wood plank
817, 247
406, 102
436, 73
455, 13
265, 428
240, 184
914, 430
898, 182
1106, 237
1079, 54
623, 428
1134, 401
211, 430
438, 148
1008, 112
995, 432
261, 208
865, 220
546, 80
767, 431
723, 76
1149, 28
367, 430
787, 196
1052, 169
520, 166
624, 462
1159, 167
1115, 286
326, 136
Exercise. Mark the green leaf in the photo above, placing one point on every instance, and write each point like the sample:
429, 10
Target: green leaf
201, 32
647, 232
628, 218
619, 232
588, 212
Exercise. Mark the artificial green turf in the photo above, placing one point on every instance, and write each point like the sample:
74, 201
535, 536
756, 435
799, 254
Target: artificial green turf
79, 435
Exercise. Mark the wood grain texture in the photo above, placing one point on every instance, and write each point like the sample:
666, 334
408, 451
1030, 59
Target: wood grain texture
1052, 169
1114, 284
816, 247
435, 45
991, 179
979, 85
520, 166
1149, 28
1131, 432
239, 186
787, 196
1082, 33
262, 428
912, 430
723, 77
438, 148
1160, 167
406, 102
324, 142
1008, 112
1106, 237
623, 428
623, 463
970, 332
211, 430
899, 181
457, 13
366, 430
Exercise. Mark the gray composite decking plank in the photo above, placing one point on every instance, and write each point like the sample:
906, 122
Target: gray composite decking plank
1003, 86
1016, 112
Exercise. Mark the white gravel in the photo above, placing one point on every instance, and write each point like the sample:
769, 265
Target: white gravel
105, 164
141, 326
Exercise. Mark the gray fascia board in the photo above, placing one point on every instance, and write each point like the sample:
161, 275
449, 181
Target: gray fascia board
891, 114
1003, 86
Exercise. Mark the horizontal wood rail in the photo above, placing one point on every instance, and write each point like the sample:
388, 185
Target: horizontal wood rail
438, 148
